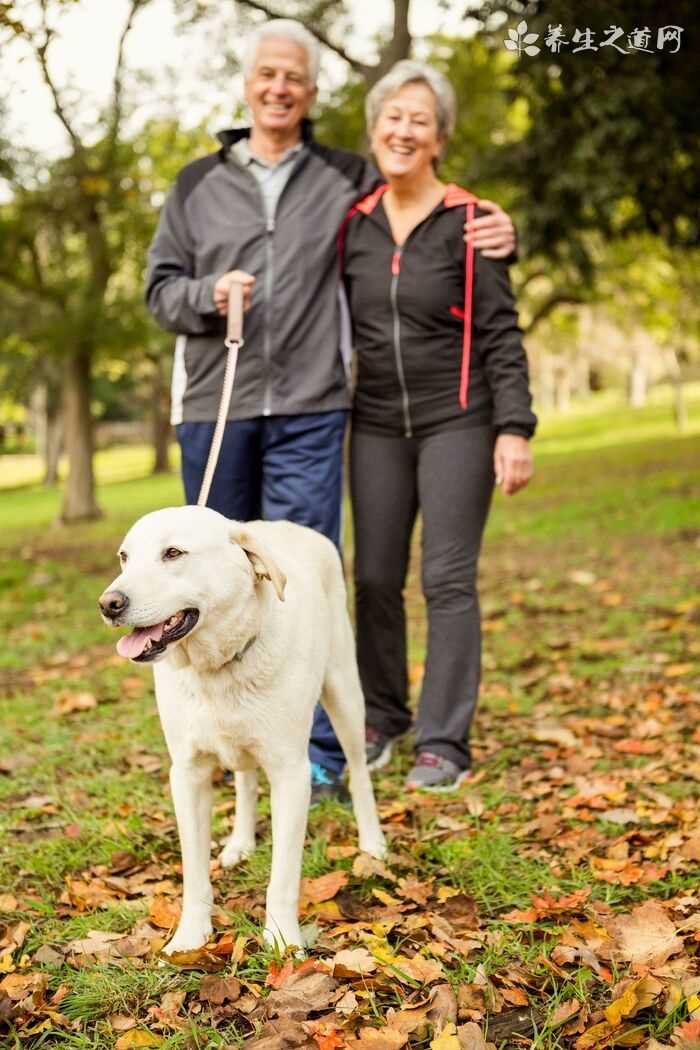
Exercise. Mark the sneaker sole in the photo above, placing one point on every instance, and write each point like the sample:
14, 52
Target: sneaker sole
438, 789
382, 759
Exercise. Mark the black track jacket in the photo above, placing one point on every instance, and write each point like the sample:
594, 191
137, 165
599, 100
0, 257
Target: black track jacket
407, 306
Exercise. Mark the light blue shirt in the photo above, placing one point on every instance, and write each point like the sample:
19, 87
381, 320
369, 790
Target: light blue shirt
272, 178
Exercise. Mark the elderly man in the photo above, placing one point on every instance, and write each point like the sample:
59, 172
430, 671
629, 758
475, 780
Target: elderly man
267, 208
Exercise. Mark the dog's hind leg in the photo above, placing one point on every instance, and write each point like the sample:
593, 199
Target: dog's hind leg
190, 783
241, 843
290, 790
344, 704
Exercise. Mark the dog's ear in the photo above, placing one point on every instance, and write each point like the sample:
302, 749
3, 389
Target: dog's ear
260, 558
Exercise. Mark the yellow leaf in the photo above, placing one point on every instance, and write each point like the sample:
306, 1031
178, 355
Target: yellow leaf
622, 1007
447, 1040
385, 898
137, 1037
693, 1003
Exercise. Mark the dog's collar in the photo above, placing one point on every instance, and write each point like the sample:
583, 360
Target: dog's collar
244, 650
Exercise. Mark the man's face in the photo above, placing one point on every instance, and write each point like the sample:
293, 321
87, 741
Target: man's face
279, 90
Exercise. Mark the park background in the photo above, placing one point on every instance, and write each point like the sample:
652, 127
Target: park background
553, 902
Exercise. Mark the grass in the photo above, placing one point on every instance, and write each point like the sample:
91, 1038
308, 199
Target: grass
589, 597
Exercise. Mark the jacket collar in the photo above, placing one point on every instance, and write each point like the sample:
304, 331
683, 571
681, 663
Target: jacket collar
455, 197
230, 136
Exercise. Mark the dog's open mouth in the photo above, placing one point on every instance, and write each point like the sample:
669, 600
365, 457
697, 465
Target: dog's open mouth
145, 643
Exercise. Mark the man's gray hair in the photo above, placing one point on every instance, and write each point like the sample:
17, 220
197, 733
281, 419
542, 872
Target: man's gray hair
409, 72
282, 29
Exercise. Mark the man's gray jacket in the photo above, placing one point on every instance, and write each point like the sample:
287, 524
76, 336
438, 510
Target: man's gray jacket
214, 221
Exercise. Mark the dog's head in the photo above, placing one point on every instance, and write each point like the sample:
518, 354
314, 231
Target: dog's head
188, 574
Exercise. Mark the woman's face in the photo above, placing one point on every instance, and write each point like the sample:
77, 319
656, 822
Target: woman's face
405, 140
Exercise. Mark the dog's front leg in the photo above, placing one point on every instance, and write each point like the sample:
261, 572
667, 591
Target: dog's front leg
190, 783
290, 789
241, 842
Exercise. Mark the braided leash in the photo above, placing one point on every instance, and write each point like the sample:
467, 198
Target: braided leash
233, 343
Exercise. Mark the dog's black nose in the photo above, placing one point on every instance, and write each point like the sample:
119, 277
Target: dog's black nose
113, 604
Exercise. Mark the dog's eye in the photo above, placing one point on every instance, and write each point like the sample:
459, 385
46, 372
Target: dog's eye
172, 552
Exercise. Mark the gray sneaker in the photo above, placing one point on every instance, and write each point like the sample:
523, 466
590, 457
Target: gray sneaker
378, 748
432, 772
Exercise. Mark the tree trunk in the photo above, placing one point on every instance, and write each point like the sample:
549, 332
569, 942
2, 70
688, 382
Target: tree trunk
160, 420
54, 444
79, 495
638, 380
673, 367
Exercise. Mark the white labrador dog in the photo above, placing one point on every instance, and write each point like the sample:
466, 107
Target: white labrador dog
247, 627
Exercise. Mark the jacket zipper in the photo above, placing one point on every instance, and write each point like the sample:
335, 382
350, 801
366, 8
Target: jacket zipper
395, 269
269, 282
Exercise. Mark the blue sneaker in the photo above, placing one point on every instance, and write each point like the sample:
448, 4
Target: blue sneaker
327, 784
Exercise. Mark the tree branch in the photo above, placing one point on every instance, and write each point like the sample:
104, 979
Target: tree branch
40, 51
546, 308
360, 67
114, 123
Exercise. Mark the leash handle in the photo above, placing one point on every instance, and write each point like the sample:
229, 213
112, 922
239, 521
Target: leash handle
233, 343
234, 327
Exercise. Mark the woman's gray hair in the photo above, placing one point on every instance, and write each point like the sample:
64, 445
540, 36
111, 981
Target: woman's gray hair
282, 29
409, 72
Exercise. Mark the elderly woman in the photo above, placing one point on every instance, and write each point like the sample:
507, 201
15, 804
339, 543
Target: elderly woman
441, 410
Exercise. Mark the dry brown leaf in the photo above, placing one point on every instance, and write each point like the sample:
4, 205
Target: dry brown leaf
217, 990
68, 703
165, 912
564, 1012
301, 994
378, 1039
364, 867
353, 962
324, 888
471, 1037
122, 1023
646, 936
8, 902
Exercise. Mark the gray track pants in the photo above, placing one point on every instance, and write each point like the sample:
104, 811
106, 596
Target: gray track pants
449, 477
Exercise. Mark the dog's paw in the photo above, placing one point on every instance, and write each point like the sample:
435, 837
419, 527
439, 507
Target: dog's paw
188, 937
235, 851
376, 847
283, 939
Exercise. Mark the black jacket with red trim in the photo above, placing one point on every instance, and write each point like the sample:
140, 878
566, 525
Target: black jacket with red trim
415, 354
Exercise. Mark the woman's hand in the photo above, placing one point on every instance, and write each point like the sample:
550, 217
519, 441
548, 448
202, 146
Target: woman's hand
493, 234
512, 463
223, 285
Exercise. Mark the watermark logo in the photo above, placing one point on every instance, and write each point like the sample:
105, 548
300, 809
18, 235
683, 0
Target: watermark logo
640, 39
520, 40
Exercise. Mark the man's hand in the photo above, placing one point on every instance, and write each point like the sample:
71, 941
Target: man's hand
223, 285
492, 234
512, 463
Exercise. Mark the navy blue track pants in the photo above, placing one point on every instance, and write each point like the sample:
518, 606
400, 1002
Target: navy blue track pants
276, 467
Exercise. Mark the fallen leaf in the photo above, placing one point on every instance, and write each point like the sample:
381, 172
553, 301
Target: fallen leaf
447, 1039
68, 703
165, 912
122, 1023
564, 1012
378, 1039
364, 867
217, 990
471, 1037
646, 936
301, 994
353, 962
137, 1037
324, 888
329, 1040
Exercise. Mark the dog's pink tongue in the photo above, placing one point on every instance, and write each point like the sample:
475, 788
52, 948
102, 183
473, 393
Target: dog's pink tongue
133, 644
